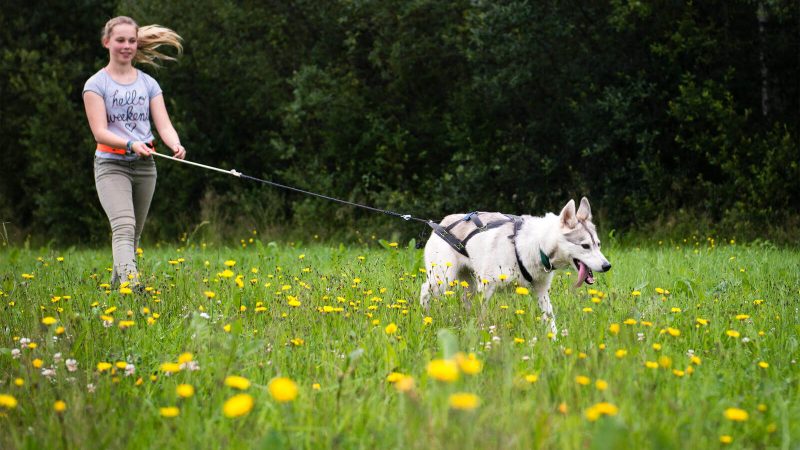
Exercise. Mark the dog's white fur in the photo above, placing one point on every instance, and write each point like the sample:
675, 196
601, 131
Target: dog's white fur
562, 237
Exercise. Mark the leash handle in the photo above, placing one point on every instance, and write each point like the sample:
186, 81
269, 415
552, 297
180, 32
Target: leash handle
229, 172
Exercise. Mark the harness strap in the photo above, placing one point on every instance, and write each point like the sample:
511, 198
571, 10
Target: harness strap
449, 238
487, 227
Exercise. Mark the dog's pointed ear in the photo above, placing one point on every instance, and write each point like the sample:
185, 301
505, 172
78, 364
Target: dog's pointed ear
584, 211
568, 219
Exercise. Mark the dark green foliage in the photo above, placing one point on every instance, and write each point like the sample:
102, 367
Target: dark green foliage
662, 113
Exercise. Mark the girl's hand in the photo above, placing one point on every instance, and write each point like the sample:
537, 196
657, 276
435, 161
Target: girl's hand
178, 151
141, 149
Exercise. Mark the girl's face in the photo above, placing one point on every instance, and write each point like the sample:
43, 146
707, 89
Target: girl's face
121, 44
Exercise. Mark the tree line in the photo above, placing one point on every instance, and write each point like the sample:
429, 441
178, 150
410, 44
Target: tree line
675, 116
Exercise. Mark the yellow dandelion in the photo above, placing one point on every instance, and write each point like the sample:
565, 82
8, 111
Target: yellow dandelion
651, 364
701, 321
103, 366
283, 389
391, 328
60, 406
601, 385
621, 353
763, 364
184, 390
464, 401
427, 320
443, 370
733, 333
37, 363
673, 331
532, 378
185, 358
170, 367
8, 401
237, 382
49, 320
601, 409
725, 439
736, 414
469, 364
238, 405
583, 380
614, 328
210, 294
394, 377
522, 291
169, 411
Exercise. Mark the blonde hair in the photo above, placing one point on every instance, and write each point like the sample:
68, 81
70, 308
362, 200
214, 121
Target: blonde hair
149, 39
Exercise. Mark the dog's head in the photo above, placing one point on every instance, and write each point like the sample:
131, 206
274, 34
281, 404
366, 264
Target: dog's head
580, 242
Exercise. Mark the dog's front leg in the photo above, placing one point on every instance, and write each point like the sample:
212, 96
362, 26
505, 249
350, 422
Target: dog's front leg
547, 310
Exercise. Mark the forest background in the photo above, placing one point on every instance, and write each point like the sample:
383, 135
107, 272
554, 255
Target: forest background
674, 118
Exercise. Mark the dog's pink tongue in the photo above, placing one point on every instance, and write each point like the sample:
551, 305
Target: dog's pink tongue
583, 273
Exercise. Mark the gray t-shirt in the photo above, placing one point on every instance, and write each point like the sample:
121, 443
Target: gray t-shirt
127, 107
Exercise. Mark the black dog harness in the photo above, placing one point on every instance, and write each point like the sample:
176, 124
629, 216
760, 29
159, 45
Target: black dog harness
461, 245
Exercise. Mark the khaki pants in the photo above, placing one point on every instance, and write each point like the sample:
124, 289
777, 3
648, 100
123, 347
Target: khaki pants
125, 189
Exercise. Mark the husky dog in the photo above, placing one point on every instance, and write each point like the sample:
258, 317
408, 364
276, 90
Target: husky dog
500, 249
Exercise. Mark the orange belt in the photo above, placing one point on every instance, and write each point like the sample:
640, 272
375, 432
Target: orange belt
120, 151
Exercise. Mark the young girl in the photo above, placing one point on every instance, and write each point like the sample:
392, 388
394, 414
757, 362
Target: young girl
119, 101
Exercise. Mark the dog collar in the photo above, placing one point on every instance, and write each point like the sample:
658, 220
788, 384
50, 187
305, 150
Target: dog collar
548, 266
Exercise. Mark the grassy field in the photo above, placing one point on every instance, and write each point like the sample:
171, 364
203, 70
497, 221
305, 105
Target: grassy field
683, 345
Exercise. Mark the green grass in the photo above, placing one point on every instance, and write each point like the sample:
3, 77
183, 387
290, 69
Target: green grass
349, 354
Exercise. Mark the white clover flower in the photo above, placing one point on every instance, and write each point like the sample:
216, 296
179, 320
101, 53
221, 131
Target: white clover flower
71, 364
15, 353
130, 369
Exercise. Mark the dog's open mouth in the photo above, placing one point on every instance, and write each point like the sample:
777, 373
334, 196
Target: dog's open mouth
585, 274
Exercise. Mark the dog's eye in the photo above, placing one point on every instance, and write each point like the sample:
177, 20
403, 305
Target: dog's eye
586, 246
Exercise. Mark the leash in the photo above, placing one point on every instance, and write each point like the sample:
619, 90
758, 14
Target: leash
444, 233
237, 174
